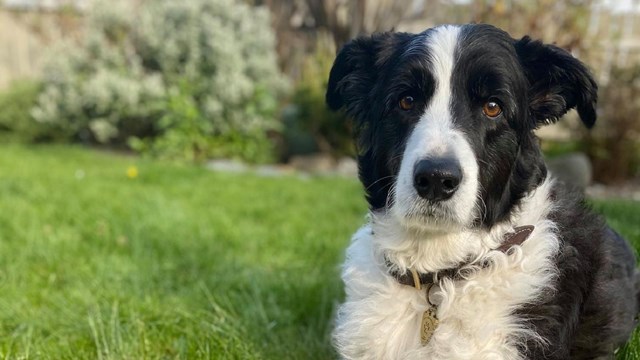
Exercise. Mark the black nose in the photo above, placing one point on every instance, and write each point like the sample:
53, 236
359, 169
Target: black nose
436, 179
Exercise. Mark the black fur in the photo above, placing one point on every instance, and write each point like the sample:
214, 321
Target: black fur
358, 82
595, 303
593, 308
559, 82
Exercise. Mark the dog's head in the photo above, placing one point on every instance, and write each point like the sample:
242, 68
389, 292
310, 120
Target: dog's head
445, 119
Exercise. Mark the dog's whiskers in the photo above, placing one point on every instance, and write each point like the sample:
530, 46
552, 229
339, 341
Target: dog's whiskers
377, 181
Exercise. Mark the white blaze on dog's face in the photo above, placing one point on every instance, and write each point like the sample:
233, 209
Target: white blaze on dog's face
438, 152
445, 119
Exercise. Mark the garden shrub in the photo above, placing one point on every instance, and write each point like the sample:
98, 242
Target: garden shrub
614, 145
189, 79
16, 122
310, 125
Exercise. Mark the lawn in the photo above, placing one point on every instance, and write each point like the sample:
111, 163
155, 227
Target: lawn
176, 262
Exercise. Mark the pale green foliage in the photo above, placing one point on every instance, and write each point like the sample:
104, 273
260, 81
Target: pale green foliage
121, 84
15, 122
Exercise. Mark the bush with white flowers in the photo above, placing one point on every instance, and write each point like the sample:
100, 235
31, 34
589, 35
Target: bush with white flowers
191, 79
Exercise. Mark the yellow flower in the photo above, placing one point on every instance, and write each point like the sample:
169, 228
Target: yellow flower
132, 172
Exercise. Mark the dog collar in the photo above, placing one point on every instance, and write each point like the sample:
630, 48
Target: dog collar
412, 278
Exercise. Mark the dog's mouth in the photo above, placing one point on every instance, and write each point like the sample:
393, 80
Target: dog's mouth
423, 215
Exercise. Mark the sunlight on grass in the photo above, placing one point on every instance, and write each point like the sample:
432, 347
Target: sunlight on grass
181, 262
176, 261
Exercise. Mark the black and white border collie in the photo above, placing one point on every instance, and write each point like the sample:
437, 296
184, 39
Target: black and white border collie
451, 168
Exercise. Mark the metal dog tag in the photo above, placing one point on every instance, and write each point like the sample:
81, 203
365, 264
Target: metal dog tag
429, 324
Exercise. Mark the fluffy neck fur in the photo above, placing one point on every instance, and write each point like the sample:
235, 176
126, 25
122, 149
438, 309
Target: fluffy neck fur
380, 318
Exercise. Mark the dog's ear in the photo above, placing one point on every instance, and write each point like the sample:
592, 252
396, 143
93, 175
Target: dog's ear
558, 82
350, 66
355, 70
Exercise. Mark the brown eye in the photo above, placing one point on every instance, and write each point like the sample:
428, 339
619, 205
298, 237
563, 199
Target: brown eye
491, 109
407, 103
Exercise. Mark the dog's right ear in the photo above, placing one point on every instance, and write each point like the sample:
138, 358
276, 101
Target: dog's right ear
351, 67
354, 71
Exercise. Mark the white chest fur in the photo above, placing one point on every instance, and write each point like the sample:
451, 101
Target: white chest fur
380, 318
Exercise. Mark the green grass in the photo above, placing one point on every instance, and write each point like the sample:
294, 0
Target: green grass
179, 262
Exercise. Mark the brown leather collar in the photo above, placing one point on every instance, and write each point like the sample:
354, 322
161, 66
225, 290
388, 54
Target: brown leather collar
412, 278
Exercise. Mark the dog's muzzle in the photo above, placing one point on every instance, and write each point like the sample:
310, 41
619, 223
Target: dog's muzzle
436, 179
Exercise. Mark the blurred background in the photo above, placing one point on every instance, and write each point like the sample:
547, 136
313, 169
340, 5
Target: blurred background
118, 241
244, 80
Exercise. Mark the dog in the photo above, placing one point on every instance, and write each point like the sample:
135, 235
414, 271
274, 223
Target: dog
471, 250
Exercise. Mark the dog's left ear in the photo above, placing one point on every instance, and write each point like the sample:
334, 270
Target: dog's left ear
558, 82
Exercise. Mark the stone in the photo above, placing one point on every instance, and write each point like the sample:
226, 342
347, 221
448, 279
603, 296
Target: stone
226, 165
314, 164
347, 167
574, 169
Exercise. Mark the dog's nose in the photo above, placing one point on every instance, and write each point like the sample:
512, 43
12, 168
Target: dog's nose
436, 179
